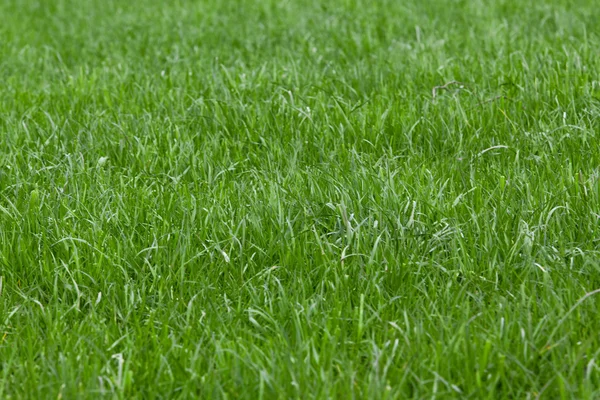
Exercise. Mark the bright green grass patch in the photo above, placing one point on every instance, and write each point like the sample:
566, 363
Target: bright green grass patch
292, 199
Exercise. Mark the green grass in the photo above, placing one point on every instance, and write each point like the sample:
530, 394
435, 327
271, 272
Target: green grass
272, 199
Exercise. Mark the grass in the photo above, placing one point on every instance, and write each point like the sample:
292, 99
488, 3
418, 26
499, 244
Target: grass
292, 199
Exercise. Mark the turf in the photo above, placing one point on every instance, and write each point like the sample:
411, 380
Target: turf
299, 199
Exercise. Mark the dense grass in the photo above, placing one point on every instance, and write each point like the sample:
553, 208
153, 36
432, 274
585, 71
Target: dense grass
271, 199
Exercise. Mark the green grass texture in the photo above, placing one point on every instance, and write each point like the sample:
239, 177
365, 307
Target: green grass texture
343, 199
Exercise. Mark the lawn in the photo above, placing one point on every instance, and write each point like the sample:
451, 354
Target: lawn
348, 199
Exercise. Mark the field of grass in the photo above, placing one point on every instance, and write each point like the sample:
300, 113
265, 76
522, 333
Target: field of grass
353, 199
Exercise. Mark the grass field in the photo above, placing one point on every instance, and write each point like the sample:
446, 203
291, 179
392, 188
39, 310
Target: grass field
353, 199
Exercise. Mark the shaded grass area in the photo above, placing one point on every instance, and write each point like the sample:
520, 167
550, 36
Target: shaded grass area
270, 200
